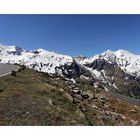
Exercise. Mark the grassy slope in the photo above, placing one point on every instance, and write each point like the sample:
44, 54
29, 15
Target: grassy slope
36, 99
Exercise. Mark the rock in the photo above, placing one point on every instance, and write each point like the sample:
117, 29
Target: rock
23, 67
13, 73
134, 122
106, 105
76, 101
85, 96
94, 106
76, 91
88, 93
82, 109
102, 100
133, 111
68, 96
72, 86
19, 70
50, 101
79, 97
61, 89
94, 98
2, 89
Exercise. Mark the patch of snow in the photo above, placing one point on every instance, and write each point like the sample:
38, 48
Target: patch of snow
106, 89
114, 85
72, 80
95, 85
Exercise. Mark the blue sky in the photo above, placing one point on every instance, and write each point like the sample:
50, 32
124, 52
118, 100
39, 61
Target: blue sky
72, 34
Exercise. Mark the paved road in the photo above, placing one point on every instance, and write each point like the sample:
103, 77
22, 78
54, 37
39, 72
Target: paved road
126, 99
6, 69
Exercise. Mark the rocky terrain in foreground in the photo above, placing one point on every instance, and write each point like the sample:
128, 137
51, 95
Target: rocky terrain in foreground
34, 98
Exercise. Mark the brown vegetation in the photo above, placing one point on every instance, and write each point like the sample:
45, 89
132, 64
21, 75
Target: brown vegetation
33, 98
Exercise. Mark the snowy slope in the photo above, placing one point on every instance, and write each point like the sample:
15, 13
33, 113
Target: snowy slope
44, 61
127, 61
39, 59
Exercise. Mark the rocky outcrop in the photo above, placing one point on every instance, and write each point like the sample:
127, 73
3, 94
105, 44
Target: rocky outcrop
72, 70
110, 76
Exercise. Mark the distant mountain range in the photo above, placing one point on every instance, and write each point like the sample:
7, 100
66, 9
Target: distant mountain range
117, 71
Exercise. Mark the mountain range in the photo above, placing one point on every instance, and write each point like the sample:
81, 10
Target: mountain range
115, 71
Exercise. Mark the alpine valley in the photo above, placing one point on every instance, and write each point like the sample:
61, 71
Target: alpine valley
116, 73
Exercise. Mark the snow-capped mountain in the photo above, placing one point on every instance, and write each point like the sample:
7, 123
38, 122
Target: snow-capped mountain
40, 59
11, 50
117, 71
127, 61
46, 61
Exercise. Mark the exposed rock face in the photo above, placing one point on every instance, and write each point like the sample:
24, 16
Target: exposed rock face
100, 64
79, 58
107, 75
73, 70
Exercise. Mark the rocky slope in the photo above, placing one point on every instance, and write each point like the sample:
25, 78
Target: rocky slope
34, 98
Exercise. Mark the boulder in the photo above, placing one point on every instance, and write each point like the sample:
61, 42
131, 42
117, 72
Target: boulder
23, 67
19, 70
76, 91
14, 73
87, 94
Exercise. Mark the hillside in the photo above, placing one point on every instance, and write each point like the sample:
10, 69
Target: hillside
34, 98
115, 71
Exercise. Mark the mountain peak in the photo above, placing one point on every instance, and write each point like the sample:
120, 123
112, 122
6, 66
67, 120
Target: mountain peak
108, 51
11, 49
119, 51
40, 50
122, 51
109, 54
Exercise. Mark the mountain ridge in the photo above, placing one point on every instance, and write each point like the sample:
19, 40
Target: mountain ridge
108, 55
117, 71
